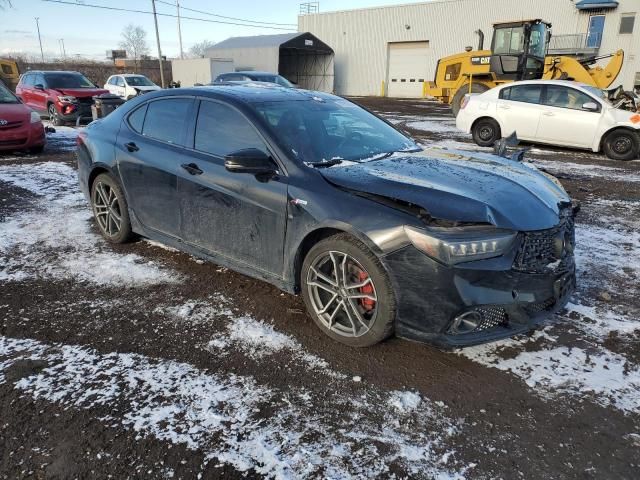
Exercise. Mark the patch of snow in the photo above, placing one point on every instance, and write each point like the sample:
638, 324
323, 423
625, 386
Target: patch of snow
435, 127
334, 436
54, 239
405, 401
64, 139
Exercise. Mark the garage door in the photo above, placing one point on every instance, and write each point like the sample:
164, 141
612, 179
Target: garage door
407, 68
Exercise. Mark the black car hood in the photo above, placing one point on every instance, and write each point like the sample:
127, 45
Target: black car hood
460, 186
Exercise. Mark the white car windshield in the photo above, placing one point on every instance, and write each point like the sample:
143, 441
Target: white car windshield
596, 92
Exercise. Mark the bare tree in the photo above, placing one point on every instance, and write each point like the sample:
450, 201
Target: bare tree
134, 41
5, 3
200, 49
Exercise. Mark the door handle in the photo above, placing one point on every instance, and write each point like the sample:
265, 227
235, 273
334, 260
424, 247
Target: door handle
504, 107
132, 147
192, 168
549, 114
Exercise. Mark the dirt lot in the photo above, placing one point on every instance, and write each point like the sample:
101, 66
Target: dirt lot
138, 361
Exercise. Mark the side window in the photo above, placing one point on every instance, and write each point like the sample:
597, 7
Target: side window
166, 118
120, 81
27, 80
136, 119
221, 130
112, 80
40, 80
522, 93
564, 97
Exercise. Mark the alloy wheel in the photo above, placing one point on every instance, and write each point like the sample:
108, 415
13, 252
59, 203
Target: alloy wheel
107, 209
342, 294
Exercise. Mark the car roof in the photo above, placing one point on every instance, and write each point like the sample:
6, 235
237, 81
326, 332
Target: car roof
53, 71
250, 72
254, 92
129, 75
566, 83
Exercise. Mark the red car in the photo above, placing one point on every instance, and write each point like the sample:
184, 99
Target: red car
20, 126
64, 96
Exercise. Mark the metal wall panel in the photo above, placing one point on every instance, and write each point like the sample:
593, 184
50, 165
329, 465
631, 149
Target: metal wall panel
360, 38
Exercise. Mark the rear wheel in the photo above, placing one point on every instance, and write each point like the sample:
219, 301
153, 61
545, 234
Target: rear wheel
486, 132
622, 145
110, 209
348, 292
462, 91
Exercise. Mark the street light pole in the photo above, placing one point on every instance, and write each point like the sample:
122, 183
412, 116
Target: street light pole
179, 29
64, 50
39, 38
155, 19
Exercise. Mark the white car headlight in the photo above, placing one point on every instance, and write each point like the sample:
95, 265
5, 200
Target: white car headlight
460, 246
67, 98
35, 117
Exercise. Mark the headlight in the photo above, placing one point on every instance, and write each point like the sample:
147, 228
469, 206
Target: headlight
67, 99
35, 117
460, 246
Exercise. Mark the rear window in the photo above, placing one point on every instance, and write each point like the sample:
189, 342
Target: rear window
165, 119
136, 119
522, 93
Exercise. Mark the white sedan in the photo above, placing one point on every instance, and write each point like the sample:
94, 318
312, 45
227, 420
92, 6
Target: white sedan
129, 85
553, 112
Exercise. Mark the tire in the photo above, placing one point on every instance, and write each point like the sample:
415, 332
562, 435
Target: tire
462, 91
356, 322
105, 190
54, 118
622, 144
486, 132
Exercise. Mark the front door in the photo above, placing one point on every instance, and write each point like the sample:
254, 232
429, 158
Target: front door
235, 215
518, 110
149, 152
564, 121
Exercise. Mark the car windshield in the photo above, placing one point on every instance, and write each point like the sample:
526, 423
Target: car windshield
140, 82
272, 79
6, 96
67, 80
324, 132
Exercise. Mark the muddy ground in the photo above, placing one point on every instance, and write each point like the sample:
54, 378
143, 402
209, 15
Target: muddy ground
138, 361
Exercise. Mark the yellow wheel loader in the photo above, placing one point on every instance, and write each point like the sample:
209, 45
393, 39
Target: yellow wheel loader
518, 52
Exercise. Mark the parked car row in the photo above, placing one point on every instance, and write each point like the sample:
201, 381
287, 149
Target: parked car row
554, 112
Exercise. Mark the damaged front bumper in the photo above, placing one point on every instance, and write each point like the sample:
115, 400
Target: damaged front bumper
475, 302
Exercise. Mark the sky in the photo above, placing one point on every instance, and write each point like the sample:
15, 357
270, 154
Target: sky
90, 32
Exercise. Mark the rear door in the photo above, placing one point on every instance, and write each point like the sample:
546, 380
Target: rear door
149, 152
519, 110
564, 120
40, 97
236, 215
121, 89
23, 90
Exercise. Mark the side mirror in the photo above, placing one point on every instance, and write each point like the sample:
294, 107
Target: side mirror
250, 160
38, 86
590, 107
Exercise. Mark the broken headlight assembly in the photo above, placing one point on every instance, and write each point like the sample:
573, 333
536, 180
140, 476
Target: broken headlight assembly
67, 99
458, 245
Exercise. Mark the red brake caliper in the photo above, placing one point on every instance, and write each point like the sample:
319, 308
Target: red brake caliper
366, 303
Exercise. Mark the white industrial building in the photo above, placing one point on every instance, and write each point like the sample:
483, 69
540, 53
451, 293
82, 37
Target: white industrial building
374, 45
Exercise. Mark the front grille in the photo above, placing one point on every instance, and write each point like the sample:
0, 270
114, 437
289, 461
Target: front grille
492, 317
11, 125
13, 143
550, 249
85, 101
532, 308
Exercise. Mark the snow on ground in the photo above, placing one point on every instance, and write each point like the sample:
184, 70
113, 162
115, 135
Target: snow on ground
336, 436
64, 139
55, 239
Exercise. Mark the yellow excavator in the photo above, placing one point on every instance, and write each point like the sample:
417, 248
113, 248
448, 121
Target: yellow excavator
9, 73
519, 51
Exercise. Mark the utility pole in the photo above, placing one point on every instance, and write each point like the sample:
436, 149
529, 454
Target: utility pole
155, 19
179, 29
39, 38
63, 52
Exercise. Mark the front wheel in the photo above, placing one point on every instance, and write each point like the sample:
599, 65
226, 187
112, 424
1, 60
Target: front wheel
486, 132
54, 118
110, 209
347, 292
621, 145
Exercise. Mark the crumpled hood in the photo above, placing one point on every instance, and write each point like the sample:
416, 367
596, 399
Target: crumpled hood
81, 92
460, 186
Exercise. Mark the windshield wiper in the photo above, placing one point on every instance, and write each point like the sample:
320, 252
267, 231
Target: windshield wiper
325, 163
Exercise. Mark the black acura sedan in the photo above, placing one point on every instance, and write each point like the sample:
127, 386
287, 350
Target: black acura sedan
318, 196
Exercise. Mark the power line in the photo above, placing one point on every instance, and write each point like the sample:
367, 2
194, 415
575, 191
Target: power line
104, 7
222, 16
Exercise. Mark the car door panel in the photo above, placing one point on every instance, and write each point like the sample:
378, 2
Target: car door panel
149, 167
518, 110
563, 120
237, 215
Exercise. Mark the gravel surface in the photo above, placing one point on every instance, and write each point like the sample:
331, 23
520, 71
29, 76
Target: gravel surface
138, 361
